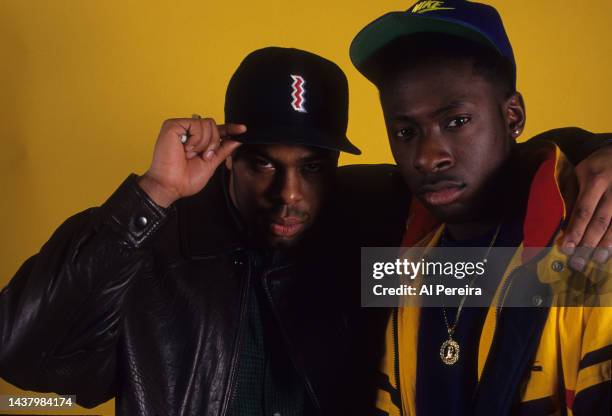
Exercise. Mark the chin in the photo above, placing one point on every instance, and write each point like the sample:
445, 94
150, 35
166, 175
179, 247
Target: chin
450, 214
286, 241
280, 242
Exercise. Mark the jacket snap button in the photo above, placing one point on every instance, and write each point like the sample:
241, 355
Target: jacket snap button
557, 266
142, 222
537, 300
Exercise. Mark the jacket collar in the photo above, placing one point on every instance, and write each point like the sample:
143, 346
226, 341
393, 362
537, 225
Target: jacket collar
209, 224
546, 207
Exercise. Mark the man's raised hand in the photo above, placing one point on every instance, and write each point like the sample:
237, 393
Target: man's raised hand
182, 169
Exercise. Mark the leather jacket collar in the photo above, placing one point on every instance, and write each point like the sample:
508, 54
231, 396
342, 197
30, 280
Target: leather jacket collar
205, 230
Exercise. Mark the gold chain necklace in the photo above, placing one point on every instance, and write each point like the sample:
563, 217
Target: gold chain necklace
449, 351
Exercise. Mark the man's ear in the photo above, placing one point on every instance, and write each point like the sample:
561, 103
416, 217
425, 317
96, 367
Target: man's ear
228, 163
515, 114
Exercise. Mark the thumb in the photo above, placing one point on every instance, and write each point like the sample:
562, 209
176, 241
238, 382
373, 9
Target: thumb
231, 129
226, 149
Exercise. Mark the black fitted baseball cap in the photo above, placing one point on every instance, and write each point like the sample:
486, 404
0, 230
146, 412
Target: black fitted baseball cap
290, 96
478, 22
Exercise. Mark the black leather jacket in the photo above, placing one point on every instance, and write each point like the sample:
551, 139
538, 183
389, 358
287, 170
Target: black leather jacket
146, 305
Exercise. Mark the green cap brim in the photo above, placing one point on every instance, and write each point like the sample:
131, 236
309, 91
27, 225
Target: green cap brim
394, 25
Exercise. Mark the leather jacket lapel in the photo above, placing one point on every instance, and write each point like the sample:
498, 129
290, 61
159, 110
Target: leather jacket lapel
206, 227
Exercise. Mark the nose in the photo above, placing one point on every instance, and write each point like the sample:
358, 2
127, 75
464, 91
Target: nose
291, 187
432, 156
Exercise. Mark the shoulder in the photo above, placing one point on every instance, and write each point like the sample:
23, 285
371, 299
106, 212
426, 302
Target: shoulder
370, 181
372, 201
382, 171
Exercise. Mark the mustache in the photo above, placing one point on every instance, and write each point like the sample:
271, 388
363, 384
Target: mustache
433, 182
287, 211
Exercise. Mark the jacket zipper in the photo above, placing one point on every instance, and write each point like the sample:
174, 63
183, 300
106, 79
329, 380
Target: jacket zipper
309, 387
396, 367
505, 287
229, 396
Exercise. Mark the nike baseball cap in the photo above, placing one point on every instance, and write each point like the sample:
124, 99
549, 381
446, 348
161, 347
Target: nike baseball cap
290, 96
477, 22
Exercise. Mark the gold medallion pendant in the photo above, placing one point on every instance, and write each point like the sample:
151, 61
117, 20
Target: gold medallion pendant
449, 352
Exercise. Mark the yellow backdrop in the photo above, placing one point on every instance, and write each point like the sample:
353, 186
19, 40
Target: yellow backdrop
85, 85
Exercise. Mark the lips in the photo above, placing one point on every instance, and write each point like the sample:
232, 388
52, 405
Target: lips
286, 227
441, 193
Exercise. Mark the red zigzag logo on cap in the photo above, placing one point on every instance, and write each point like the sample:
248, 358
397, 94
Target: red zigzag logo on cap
298, 92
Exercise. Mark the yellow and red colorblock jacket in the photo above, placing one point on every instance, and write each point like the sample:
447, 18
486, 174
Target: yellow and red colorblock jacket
551, 360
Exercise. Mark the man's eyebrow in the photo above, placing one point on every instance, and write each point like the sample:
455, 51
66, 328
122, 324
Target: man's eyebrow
252, 153
437, 112
450, 106
315, 157
402, 117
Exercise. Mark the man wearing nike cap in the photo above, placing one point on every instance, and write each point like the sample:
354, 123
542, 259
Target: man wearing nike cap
446, 75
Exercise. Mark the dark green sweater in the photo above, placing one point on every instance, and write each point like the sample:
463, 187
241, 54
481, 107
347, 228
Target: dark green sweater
267, 382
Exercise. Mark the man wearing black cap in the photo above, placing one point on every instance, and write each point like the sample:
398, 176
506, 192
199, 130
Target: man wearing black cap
446, 75
186, 293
